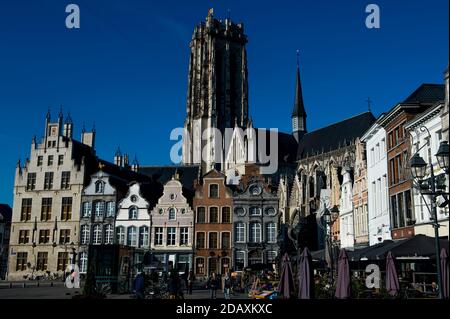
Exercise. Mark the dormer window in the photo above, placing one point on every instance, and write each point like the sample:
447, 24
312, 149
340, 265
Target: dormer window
133, 212
99, 187
214, 191
172, 214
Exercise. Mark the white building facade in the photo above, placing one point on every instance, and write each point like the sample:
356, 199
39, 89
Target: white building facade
379, 220
430, 144
173, 229
133, 221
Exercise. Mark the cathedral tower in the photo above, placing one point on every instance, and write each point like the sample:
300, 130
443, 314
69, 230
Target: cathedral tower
217, 94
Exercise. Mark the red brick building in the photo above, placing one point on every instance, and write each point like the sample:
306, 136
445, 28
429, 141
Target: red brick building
213, 206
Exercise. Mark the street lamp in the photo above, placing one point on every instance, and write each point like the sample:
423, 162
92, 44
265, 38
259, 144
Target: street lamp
443, 156
418, 168
330, 216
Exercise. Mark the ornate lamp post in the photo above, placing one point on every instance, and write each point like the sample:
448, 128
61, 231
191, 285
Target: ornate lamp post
418, 168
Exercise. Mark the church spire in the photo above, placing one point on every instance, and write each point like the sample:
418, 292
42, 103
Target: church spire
298, 112
299, 108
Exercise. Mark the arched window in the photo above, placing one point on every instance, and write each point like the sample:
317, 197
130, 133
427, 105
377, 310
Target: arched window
143, 236
255, 211
133, 212
255, 232
97, 238
85, 234
311, 187
99, 208
172, 213
109, 234
120, 235
132, 236
200, 265
271, 232
83, 262
213, 215
111, 209
99, 187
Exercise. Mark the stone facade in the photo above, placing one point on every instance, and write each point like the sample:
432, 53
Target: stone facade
47, 200
360, 196
256, 222
217, 88
98, 213
346, 222
172, 228
213, 206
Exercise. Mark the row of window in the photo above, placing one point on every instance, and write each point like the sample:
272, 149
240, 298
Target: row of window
44, 236
42, 261
40, 160
101, 209
129, 236
171, 236
254, 231
46, 208
48, 181
213, 240
100, 234
213, 215
377, 152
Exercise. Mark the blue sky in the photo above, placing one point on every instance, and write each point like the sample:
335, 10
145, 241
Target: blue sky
126, 67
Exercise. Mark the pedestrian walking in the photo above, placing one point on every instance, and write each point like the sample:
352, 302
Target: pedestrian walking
190, 282
139, 286
227, 286
212, 285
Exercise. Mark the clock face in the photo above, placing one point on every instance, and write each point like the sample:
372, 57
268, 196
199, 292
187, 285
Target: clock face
240, 211
255, 190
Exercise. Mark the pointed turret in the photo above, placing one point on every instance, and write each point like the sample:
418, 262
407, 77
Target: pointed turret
298, 112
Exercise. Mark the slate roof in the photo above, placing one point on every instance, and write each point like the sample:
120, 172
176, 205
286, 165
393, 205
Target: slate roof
5, 213
287, 146
162, 174
427, 93
332, 137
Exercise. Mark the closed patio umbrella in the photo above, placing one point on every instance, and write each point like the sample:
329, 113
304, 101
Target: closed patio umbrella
445, 273
286, 278
392, 283
343, 285
306, 282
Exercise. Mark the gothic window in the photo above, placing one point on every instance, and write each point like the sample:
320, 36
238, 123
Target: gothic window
311, 187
